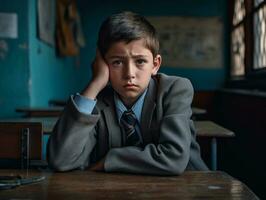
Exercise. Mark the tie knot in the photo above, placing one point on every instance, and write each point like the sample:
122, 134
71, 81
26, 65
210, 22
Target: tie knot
129, 117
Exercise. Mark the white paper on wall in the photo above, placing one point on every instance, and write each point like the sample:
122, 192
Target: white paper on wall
8, 25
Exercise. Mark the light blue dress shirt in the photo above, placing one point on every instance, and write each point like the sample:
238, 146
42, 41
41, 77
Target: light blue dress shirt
136, 108
86, 105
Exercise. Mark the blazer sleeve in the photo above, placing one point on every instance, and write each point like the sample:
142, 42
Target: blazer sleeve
73, 139
171, 155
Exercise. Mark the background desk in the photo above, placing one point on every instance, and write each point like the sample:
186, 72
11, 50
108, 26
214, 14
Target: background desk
47, 127
203, 129
93, 185
40, 111
47, 122
198, 113
212, 130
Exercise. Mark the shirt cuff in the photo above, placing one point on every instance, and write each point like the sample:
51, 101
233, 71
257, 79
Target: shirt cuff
84, 104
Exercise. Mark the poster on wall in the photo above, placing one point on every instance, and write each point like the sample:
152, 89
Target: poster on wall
46, 21
190, 42
8, 25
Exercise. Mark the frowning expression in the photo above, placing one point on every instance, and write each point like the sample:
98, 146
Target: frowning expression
131, 66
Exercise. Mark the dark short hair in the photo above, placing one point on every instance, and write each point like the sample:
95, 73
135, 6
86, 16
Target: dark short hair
127, 26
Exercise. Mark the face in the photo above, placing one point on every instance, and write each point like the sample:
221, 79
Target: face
131, 66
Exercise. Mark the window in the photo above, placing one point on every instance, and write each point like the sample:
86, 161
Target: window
248, 43
259, 37
237, 39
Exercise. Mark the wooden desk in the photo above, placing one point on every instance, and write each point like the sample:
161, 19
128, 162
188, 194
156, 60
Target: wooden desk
213, 131
198, 113
203, 129
20, 143
40, 112
47, 122
110, 186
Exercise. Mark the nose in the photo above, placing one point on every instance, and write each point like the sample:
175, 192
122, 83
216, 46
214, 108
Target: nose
129, 71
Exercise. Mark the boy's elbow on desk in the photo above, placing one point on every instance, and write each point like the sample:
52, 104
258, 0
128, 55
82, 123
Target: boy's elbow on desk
62, 166
56, 164
59, 162
57, 167
174, 161
175, 168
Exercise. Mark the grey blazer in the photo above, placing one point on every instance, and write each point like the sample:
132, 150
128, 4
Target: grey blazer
79, 140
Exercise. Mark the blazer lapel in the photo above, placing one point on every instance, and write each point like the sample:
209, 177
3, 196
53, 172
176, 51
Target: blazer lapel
115, 136
147, 113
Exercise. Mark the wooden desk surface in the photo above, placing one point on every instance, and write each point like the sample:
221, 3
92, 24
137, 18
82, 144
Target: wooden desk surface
40, 111
93, 185
47, 122
211, 129
198, 111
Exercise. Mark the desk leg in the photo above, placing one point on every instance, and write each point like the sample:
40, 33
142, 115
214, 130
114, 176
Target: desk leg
213, 154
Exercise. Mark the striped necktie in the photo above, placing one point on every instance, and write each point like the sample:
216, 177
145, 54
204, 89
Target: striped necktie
128, 122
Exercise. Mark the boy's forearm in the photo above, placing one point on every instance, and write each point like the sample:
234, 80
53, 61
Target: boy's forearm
92, 90
155, 160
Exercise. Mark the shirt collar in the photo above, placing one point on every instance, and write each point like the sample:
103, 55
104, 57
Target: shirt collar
136, 108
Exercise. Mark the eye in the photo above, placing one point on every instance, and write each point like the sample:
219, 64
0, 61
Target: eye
141, 61
116, 63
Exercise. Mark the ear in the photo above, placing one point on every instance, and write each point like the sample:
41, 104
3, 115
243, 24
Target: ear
156, 64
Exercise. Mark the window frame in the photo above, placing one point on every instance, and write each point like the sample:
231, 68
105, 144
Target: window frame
252, 78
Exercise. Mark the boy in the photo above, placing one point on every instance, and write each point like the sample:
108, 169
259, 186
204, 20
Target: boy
140, 123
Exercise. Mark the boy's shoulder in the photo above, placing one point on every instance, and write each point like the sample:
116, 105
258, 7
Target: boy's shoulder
166, 81
172, 89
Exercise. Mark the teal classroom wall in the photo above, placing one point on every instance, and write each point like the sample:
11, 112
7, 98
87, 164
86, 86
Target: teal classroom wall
31, 74
202, 79
52, 77
14, 71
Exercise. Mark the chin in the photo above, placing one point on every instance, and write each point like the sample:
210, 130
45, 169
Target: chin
130, 96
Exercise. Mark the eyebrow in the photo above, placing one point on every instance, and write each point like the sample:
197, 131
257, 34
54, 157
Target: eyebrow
123, 57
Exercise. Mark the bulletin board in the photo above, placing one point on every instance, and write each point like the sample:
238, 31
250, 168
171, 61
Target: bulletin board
191, 42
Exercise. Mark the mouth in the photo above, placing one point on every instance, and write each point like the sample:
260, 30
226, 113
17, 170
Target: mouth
130, 86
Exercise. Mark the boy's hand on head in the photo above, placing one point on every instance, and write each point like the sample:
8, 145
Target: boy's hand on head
100, 77
100, 70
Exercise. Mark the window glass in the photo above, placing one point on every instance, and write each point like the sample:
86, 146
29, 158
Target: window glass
239, 11
259, 55
238, 52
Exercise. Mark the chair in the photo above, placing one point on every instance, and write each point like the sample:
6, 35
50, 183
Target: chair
20, 144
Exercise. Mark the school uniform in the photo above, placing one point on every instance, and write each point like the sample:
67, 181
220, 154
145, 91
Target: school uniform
167, 133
